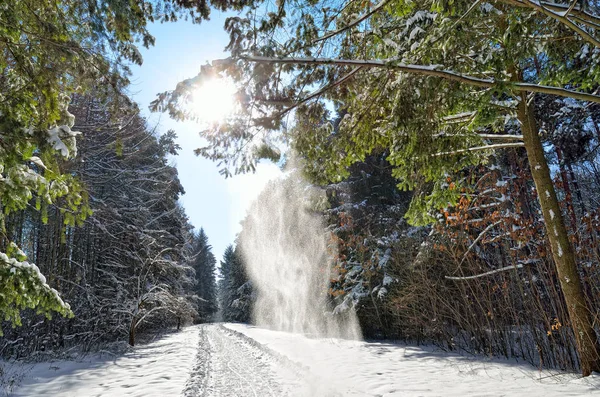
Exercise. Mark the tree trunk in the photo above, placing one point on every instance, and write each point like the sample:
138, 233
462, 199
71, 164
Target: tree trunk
567, 189
582, 207
524, 196
562, 251
132, 333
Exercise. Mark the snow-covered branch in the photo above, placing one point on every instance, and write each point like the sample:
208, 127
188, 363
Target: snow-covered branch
502, 269
426, 70
353, 23
560, 16
477, 148
478, 239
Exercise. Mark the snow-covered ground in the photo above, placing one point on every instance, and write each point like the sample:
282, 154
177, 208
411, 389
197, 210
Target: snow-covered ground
240, 360
160, 369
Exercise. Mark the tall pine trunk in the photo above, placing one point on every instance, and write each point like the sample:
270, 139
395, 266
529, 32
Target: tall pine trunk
562, 251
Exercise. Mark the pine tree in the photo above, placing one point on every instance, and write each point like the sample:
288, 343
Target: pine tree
235, 290
203, 262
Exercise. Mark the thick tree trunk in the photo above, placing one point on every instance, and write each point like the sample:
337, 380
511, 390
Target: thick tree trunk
562, 251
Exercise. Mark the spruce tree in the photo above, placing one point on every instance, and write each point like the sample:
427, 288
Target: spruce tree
205, 289
235, 291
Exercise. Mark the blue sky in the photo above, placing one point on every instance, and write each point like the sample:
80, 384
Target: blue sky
211, 201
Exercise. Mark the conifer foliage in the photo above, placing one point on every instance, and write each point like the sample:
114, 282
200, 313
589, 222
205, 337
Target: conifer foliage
205, 288
235, 290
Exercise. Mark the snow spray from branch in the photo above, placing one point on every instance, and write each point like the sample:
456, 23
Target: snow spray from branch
288, 257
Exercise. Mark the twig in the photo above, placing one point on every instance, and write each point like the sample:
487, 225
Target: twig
502, 269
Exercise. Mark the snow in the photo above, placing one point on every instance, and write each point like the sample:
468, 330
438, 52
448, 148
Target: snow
415, 32
241, 360
560, 251
384, 369
387, 280
420, 16
160, 368
61, 137
30, 267
37, 161
386, 258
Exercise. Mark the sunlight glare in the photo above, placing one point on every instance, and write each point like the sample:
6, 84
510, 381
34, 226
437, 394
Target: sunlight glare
214, 100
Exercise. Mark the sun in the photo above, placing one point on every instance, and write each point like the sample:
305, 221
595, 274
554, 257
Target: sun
214, 100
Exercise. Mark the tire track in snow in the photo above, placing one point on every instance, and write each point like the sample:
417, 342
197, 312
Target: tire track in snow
196, 384
228, 365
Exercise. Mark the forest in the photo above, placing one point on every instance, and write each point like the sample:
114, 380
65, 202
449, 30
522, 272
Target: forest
455, 146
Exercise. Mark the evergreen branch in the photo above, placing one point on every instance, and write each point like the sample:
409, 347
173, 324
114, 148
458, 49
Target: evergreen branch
586, 18
561, 17
426, 70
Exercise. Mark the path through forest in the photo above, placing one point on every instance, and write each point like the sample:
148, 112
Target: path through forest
239, 360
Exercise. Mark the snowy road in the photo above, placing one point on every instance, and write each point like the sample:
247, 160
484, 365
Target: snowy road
229, 360
230, 364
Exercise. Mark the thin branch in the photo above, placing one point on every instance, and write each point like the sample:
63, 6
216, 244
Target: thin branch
557, 16
475, 4
577, 12
573, 4
320, 91
479, 238
460, 116
484, 136
486, 147
502, 269
503, 136
426, 70
352, 24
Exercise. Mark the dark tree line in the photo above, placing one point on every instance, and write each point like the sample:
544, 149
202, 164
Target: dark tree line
134, 264
120, 267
